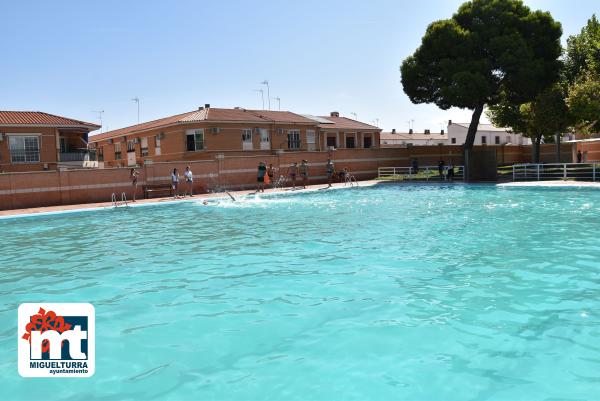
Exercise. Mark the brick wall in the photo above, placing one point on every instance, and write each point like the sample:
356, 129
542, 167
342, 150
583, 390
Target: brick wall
229, 170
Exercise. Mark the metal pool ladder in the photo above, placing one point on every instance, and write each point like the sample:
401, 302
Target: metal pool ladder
114, 201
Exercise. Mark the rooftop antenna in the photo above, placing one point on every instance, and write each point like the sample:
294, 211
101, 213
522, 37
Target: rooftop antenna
265, 82
376, 122
100, 112
137, 100
262, 96
355, 115
278, 102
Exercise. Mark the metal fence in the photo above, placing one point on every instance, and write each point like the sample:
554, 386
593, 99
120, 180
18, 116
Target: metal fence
556, 171
422, 173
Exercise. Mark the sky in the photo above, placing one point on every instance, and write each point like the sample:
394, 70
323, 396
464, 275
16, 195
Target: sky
75, 58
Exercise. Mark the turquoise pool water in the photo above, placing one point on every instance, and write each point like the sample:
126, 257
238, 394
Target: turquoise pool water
393, 292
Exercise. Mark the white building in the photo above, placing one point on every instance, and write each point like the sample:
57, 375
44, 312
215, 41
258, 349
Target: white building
487, 134
402, 139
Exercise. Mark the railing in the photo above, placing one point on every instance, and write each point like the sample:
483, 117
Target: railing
422, 173
76, 156
556, 171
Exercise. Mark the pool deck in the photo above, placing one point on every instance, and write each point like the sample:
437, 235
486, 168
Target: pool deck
170, 199
552, 184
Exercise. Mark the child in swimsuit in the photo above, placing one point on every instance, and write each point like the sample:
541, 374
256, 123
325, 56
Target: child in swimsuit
293, 171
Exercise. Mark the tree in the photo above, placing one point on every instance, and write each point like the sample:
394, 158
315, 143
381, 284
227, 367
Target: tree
582, 76
488, 51
544, 118
584, 104
582, 54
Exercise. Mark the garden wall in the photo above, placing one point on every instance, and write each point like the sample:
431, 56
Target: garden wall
47, 188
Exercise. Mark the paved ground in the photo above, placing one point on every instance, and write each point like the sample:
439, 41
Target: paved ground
554, 184
141, 202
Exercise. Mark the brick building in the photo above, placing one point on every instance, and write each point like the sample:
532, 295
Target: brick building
32, 140
200, 134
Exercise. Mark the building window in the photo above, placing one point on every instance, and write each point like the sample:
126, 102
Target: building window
497, 140
24, 149
100, 153
130, 146
483, 140
195, 140
350, 144
331, 141
311, 141
247, 139
294, 139
144, 147
264, 135
157, 145
367, 142
117, 150
453, 140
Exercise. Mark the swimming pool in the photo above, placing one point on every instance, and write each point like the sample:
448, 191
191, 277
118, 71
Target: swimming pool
424, 292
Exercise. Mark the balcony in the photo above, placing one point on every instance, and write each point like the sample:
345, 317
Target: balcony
78, 159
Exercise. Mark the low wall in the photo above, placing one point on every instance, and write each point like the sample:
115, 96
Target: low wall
226, 171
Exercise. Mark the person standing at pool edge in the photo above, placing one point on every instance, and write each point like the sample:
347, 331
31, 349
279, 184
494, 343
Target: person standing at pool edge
189, 180
133, 176
330, 170
260, 177
304, 173
292, 171
175, 183
271, 175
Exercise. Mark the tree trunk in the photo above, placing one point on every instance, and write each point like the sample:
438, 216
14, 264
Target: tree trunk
557, 148
470, 140
536, 148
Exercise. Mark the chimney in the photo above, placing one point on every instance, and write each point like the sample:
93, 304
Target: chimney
334, 114
442, 132
427, 132
410, 131
200, 108
449, 122
207, 106
393, 130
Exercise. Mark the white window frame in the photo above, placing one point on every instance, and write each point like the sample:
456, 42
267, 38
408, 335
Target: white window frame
195, 133
29, 156
157, 145
144, 146
311, 140
118, 150
247, 139
299, 140
265, 140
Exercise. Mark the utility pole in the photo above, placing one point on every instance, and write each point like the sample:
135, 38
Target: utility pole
137, 100
262, 96
265, 82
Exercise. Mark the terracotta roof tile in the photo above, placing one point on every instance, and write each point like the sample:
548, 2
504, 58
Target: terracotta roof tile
28, 118
345, 123
282, 116
161, 122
